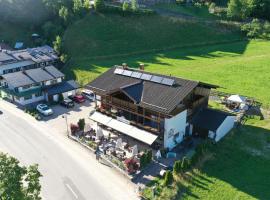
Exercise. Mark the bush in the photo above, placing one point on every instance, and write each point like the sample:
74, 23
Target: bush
81, 124
168, 178
177, 167
126, 7
143, 161
74, 128
185, 164
257, 29
149, 156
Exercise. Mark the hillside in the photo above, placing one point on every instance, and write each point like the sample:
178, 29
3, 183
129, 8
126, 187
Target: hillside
98, 42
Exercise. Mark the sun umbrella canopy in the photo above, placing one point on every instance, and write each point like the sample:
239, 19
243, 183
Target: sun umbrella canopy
135, 150
99, 132
237, 98
119, 143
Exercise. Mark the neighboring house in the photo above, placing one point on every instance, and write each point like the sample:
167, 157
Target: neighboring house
34, 85
212, 123
19, 60
148, 107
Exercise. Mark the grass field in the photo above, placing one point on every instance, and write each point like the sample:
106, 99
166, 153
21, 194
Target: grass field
238, 168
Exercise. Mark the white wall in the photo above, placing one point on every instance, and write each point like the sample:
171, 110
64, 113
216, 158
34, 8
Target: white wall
173, 126
66, 94
225, 127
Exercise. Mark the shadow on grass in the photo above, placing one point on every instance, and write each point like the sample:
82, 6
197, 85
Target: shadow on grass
97, 66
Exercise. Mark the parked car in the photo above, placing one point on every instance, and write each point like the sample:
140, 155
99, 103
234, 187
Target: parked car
77, 98
68, 103
44, 109
89, 95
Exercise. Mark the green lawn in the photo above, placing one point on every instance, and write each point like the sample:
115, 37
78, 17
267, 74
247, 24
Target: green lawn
238, 169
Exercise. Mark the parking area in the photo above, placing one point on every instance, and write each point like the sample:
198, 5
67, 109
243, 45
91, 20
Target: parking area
57, 121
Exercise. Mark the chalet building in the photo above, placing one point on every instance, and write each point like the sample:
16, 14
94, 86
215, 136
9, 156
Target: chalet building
34, 85
19, 60
148, 107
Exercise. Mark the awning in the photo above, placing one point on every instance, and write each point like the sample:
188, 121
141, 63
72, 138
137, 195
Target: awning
100, 118
124, 128
62, 87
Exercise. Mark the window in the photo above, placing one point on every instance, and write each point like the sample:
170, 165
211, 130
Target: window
39, 94
53, 82
28, 97
25, 87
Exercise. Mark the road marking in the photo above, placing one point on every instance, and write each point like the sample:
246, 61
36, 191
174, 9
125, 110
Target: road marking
72, 191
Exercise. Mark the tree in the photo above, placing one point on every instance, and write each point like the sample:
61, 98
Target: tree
168, 178
81, 124
63, 13
185, 164
134, 5
50, 30
18, 182
177, 167
149, 156
125, 6
86, 4
77, 6
99, 5
57, 44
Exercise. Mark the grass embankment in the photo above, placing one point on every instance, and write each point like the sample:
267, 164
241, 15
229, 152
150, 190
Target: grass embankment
100, 41
237, 168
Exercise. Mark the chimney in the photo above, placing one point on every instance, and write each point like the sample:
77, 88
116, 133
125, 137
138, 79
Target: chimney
142, 66
125, 66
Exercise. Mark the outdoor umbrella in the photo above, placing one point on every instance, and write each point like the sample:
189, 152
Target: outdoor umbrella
134, 150
99, 132
119, 143
237, 98
158, 154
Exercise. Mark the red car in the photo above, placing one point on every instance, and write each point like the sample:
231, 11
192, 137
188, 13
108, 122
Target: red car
77, 98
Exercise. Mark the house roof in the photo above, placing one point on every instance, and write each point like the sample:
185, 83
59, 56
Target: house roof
16, 64
209, 119
39, 75
147, 93
28, 77
18, 79
54, 72
62, 87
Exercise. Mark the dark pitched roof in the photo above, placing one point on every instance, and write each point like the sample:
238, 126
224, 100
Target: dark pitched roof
39, 75
17, 79
155, 96
209, 119
134, 91
54, 72
62, 87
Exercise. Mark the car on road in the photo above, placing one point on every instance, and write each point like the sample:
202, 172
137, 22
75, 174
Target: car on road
89, 95
44, 109
77, 98
68, 103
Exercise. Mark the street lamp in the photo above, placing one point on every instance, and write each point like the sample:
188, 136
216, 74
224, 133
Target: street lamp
65, 116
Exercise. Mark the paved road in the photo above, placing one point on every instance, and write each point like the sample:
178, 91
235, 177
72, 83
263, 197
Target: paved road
69, 171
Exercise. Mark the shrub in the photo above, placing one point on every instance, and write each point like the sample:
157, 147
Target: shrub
185, 164
257, 29
149, 155
126, 6
74, 128
143, 161
81, 124
177, 167
168, 178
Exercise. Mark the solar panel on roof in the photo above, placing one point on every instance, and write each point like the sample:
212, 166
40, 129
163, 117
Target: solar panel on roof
118, 71
136, 74
127, 73
167, 81
156, 79
146, 77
